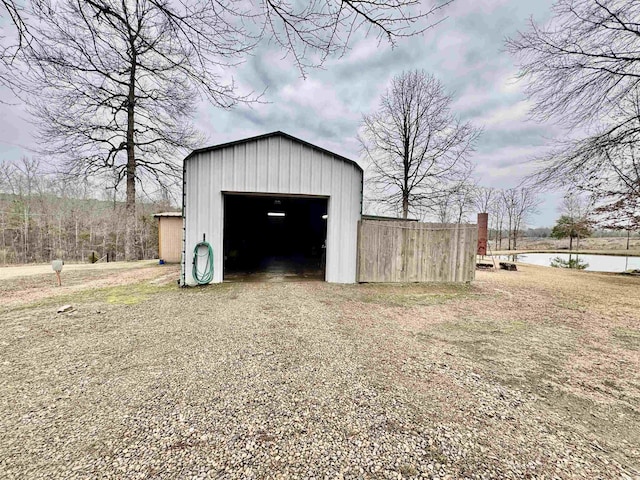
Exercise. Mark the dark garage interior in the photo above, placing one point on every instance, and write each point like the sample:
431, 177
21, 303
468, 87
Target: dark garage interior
274, 237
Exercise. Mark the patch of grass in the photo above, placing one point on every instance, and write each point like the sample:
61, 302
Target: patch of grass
408, 300
408, 470
131, 294
120, 291
475, 327
611, 384
480, 339
627, 337
408, 295
572, 305
515, 351
126, 298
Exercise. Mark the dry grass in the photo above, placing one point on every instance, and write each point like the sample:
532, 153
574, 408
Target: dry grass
32, 283
525, 374
603, 245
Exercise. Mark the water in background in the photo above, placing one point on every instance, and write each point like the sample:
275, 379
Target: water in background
597, 263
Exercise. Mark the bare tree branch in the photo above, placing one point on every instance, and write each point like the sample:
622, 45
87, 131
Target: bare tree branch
417, 149
582, 69
113, 84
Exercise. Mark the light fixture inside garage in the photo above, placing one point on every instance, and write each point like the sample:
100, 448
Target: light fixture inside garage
275, 214
324, 217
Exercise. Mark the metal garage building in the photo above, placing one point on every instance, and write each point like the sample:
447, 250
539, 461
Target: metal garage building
272, 202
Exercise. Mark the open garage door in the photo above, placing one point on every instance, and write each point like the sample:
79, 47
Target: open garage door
269, 237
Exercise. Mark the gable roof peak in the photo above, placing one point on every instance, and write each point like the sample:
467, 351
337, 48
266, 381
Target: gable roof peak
277, 133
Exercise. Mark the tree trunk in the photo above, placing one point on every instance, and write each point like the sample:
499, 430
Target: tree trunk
130, 206
25, 236
405, 205
570, 242
628, 235
4, 239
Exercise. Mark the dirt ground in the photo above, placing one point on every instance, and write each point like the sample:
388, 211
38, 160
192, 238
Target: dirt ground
528, 374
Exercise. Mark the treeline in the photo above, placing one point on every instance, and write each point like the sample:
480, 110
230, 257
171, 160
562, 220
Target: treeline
47, 216
545, 232
509, 209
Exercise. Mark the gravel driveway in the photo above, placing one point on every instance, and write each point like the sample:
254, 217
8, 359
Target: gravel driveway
289, 380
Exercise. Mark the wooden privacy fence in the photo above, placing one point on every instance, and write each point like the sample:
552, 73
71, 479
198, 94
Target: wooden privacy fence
416, 252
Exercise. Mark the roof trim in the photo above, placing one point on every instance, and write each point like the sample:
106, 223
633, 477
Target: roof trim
168, 214
378, 218
269, 135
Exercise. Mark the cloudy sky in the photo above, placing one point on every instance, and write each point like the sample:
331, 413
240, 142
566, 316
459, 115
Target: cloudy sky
466, 52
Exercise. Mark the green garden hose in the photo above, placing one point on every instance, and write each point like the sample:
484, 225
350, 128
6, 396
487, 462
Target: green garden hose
205, 276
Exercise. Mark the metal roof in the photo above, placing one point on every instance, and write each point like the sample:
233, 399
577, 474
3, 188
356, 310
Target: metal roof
168, 214
388, 219
268, 135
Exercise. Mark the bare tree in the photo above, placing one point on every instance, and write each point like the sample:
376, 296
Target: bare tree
311, 32
519, 203
113, 84
489, 200
581, 69
13, 34
527, 204
576, 205
623, 214
463, 198
454, 205
510, 202
483, 199
417, 148
116, 82
498, 219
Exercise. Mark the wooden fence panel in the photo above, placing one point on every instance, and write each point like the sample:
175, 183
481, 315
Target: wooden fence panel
416, 252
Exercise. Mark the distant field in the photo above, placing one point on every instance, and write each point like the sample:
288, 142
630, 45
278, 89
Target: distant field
595, 245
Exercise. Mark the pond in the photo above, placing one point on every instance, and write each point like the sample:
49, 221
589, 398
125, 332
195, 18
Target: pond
597, 263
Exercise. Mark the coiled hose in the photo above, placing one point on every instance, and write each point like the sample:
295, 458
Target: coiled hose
205, 276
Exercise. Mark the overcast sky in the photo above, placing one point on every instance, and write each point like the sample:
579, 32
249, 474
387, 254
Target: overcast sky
466, 52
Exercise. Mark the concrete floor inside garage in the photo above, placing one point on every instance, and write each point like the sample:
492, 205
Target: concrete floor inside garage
274, 238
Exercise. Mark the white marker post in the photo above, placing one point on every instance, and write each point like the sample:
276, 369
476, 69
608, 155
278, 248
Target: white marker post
57, 267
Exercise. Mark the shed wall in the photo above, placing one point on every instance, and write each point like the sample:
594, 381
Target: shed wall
170, 239
273, 165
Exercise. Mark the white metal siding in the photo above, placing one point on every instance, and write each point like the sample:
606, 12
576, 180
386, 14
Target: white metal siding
279, 165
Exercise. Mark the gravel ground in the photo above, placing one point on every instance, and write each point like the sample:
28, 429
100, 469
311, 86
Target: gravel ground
311, 380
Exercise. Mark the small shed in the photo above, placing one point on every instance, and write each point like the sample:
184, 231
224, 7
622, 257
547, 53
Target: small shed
170, 228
